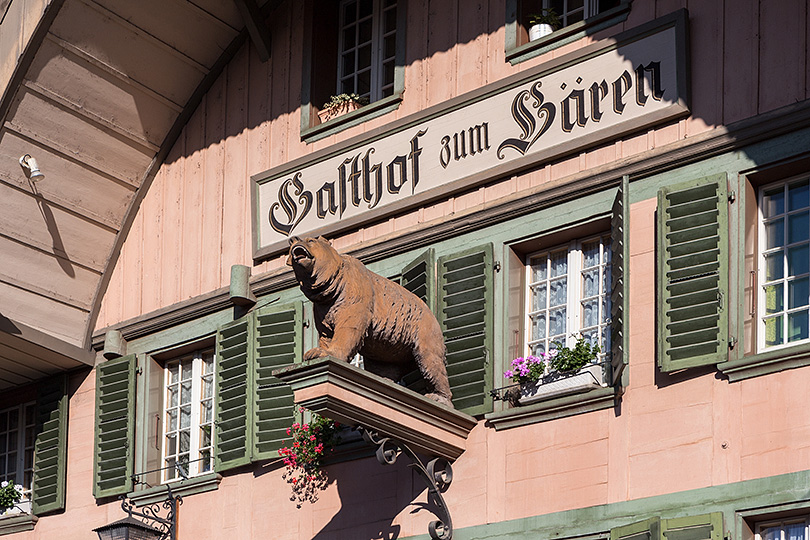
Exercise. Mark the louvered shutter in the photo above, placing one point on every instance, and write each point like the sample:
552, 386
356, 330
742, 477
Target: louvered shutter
419, 277
702, 527
649, 529
234, 403
619, 274
51, 446
277, 343
693, 273
466, 318
115, 425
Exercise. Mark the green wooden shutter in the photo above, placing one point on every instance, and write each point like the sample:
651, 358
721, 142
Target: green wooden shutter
649, 529
232, 430
50, 447
115, 426
619, 274
419, 277
466, 317
693, 273
278, 343
702, 527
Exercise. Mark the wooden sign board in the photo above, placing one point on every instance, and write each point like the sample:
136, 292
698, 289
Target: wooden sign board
612, 87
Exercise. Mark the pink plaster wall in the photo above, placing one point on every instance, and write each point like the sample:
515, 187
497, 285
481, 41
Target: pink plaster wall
195, 220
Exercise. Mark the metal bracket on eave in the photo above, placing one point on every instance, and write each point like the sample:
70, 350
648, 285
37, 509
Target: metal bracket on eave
256, 27
437, 475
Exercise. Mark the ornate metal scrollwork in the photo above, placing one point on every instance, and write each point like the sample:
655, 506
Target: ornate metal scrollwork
150, 514
438, 474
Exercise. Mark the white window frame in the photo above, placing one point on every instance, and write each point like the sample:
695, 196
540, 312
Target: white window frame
782, 524
574, 289
196, 463
377, 88
589, 9
23, 450
762, 252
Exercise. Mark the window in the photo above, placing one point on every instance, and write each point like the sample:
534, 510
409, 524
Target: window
791, 529
17, 437
572, 11
577, 19
367, 50
351, 47
784, 263
567, 294
188, 415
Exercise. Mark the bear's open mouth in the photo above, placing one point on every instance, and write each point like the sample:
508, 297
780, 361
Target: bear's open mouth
300, 252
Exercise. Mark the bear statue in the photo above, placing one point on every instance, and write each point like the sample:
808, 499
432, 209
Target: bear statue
356, 310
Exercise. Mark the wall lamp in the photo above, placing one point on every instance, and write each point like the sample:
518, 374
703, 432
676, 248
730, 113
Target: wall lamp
146, 524
30, 164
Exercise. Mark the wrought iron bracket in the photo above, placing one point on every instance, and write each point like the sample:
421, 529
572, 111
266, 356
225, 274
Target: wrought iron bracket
150, 514
438, 474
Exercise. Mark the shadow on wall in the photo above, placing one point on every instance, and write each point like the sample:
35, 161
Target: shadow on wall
372, 496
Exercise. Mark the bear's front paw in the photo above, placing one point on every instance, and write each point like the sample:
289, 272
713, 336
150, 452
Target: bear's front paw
314, 354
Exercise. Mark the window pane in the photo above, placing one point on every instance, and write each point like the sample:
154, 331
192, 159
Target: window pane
794, 531
559, 263
364, 57
590, 282
774, 298
798, 292
364, 31
538, 269
773, 331
185, 417
798, 196
774, 265
797, 326
771, 533
798, 227
185, 441
185, 392
172, 423
539, 326
348, 38
349, 12
773, 202
590, 312
390, 19
798, 260
366, 7
364, 83
556, 322
590, 254
558, 292
348, 63
775, 234
539, 297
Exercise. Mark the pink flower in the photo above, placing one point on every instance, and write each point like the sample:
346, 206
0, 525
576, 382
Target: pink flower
312, 437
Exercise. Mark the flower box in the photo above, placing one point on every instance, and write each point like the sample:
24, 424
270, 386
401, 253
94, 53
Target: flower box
556, 385
338, 110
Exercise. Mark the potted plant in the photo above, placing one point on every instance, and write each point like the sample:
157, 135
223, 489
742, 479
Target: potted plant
311, 442
339, 105
10, 495
558, 372
543, 23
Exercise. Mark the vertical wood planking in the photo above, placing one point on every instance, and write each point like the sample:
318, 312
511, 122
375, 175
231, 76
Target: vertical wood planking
782, 53
152, 262
741, 55
132, 272
662, 7
233, 233
192, 246
471, 49
440, 76
172, 266
415, 58
496, 65
706, 28
213, 174
258, 137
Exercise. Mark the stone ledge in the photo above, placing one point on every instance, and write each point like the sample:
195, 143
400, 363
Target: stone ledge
352, 396
17, 523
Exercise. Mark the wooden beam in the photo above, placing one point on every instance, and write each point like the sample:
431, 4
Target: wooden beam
256, 27
60, 354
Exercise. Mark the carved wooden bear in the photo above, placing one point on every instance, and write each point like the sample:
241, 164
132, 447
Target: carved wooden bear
356, 310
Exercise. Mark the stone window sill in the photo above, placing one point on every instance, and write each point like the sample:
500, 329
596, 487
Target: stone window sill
184, 488
560, 407
14, 523
766, 362
568, 34
353, 118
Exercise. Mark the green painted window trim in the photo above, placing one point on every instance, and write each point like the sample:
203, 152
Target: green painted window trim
766, 362
191, 486
17, 523
516, 54
676, 236
552, 409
